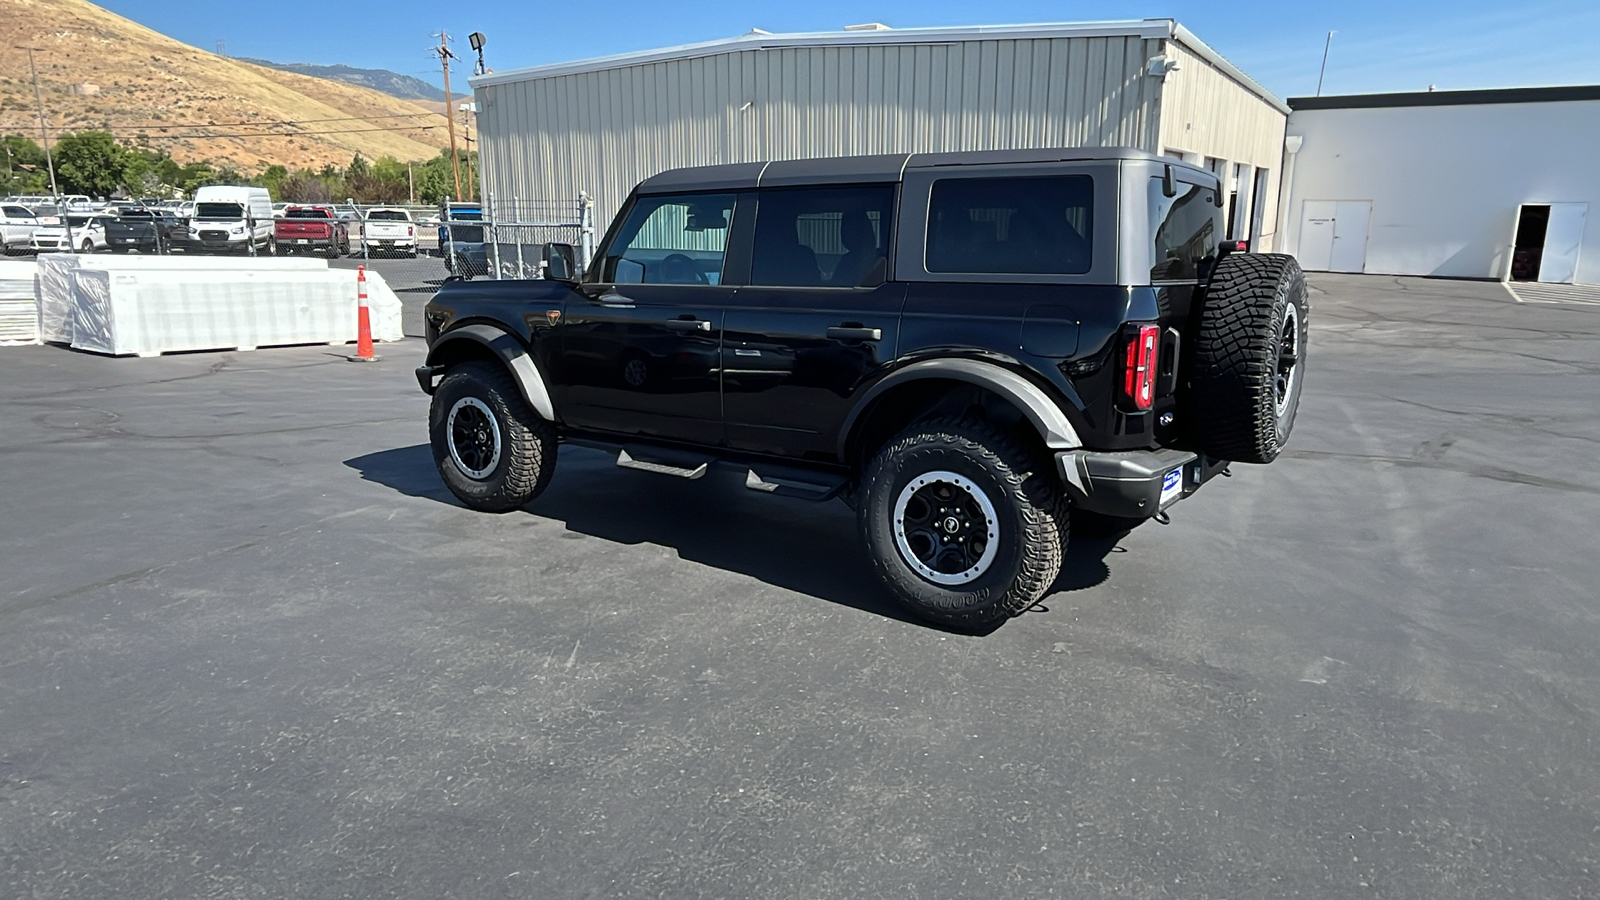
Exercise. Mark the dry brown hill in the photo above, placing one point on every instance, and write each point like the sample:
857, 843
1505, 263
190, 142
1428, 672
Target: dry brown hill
99, 70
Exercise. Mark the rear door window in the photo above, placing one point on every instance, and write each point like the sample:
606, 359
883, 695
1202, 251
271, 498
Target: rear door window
671, 240
1185, 231
1041, 225
822, 237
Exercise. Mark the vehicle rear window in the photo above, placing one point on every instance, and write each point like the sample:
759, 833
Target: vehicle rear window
387, 215
1042, 225
218, 211
822, 237
308, 213
1185, 230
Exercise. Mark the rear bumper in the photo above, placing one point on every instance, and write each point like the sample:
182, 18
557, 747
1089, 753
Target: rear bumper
1135, 484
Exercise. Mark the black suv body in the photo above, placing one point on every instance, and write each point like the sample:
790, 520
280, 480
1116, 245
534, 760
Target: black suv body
1041, 315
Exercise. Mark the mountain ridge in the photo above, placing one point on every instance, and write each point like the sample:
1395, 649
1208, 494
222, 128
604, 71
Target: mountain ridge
99, 70
405, 87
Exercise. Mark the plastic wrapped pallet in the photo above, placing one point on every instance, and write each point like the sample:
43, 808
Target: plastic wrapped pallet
19, 308
149, 312
55, 278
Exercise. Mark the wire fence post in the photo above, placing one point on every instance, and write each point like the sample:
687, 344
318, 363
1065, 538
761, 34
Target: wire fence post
493, 234
586, 228
522, 272
448, 249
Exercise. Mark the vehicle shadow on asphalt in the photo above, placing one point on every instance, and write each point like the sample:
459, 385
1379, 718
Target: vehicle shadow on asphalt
810, 548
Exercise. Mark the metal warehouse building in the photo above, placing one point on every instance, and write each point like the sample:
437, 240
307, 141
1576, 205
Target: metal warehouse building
1491, 184
602, 125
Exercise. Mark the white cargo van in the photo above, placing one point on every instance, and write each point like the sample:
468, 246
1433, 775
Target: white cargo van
230, 219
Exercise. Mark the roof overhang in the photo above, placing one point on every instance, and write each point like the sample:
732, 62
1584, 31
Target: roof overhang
1564, 94
1156, 29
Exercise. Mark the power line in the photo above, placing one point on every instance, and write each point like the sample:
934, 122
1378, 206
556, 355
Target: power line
267, 124
297, 134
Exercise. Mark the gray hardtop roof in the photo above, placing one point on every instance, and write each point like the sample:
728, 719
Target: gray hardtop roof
863, 169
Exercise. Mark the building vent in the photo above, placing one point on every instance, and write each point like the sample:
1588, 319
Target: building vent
870, 26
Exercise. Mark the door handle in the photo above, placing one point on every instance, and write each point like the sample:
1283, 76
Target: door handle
688, 324
854, 333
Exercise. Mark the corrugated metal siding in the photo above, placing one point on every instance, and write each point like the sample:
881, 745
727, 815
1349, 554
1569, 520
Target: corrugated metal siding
548, 138
1205, 111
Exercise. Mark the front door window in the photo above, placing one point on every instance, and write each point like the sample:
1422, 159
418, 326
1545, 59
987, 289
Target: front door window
672, 240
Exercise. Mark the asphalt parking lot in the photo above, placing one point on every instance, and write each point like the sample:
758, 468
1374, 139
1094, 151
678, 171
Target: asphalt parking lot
250, 647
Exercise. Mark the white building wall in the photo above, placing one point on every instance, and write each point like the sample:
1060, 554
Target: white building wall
1446, 182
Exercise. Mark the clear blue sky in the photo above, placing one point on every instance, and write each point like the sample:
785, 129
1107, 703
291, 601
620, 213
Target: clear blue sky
1379, 46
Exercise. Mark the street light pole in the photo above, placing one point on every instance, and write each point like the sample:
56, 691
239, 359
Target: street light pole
49, 162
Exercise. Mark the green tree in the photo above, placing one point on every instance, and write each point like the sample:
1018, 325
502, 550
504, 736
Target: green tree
358, 166
90, 162
272, 179
24, 171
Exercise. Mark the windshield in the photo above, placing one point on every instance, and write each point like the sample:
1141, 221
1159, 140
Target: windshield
466, 234
387, 215
218, 211
81, 221
45, 211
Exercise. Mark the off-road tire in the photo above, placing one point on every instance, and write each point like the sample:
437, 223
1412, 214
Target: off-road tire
527, 443
1029, 507
1232, 398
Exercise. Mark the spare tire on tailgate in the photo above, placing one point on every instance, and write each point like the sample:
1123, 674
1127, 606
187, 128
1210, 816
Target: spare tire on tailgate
1249, 359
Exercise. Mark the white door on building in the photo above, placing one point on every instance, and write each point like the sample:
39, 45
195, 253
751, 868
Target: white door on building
1333, 235
1562, 238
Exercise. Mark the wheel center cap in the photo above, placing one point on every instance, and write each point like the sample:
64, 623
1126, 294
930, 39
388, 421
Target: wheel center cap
951, 525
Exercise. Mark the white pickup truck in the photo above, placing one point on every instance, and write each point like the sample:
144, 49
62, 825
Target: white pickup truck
389, 230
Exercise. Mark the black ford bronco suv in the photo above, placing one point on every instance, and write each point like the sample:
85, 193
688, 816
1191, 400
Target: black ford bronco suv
969, 348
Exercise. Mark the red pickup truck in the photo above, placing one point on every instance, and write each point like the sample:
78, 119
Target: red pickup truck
309, 229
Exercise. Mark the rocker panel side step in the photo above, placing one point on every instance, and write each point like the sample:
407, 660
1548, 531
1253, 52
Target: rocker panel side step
680, 467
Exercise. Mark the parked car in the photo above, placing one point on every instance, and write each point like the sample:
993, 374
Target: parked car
389, 230
17, 224
230, 219
46, 213
144, 230
978, 351
80, 234
311, 229
461, 239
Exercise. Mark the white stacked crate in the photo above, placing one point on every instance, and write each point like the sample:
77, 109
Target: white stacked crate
19, 303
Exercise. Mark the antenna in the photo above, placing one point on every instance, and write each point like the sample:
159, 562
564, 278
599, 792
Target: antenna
222, 47
1326, 44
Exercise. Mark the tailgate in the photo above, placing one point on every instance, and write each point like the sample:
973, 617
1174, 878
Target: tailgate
293, 229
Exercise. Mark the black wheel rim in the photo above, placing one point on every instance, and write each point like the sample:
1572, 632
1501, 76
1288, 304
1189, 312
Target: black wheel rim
1288, 363
945, 528
474, 437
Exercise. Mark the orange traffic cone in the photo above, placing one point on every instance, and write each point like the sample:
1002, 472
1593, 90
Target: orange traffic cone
364, 320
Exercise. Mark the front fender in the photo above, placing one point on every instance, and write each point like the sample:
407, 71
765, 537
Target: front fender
1037, 406
507, 348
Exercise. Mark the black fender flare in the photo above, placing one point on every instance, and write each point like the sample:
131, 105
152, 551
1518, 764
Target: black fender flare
530, 381
1037, 406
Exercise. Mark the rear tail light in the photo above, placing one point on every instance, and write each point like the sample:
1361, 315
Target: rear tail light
1139, 367
410, 232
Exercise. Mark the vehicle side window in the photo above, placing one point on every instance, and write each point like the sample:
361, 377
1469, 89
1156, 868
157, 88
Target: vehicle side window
1184, 231
822, 237
671, 240
1040, 225
17, 212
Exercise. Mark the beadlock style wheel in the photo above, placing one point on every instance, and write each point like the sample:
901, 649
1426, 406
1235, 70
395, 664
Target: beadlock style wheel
945, 528
1288, 370
474, 437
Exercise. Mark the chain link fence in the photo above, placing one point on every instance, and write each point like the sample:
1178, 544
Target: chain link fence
502, 238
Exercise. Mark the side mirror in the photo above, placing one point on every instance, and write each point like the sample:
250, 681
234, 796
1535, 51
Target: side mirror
559, 262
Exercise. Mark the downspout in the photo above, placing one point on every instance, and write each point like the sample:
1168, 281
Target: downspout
1291, 148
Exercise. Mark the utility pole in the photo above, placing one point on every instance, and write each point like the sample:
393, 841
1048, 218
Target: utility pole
49, 162
411, 176
467, 109
1325, 45
449, 103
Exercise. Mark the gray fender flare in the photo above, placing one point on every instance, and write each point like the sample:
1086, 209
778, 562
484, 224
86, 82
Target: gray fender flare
511, 352
1035, 404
